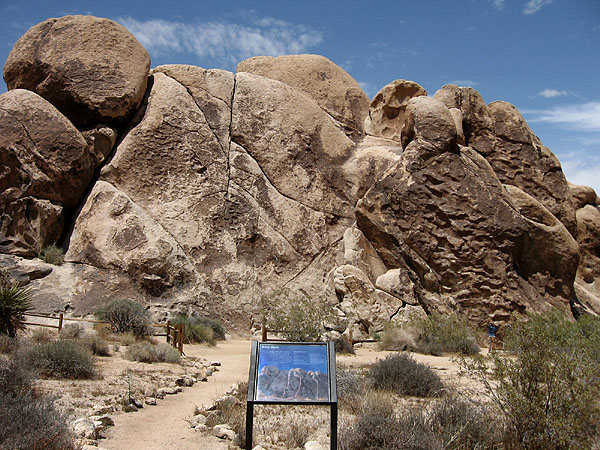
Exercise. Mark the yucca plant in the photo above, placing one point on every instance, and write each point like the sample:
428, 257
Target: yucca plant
15, 301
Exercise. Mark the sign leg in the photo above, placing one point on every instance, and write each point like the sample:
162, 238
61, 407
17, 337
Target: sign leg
249, 424
334, 421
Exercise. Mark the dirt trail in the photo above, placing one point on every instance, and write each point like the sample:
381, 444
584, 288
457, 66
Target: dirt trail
164, 426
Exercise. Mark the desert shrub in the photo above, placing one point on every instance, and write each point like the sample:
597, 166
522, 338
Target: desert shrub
125, 339
343, 346
148, 353
15, 301
294, 315
401, 374
376, 426
437, 334
199, 329
60, 359
7, 344
396, 338
547, 384
71, 331
126, 316
351, 386
296, 434
40, 335
95, 344
53, 254
28, 420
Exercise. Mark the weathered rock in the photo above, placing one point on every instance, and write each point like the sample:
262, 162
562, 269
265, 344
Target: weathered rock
331, 87
396, 282
387, 109
198, 419
427, 120
583, 195
185, 380
458, 122
104, 419
359, 252
443, 217
476, 121
547, 255
101, 140
520, 159
86, 428
45, 167
587, 285
93, 70
150, 401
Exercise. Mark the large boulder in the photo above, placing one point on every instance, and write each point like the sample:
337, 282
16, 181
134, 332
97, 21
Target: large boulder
587, 284
442, 216
46, 166
92, 69
387, 109
329, 85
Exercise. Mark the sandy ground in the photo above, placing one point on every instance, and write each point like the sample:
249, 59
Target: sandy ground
165, 426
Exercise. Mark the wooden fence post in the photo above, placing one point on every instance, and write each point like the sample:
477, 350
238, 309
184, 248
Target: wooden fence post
264, 333
168, 330
60, 322
181, 338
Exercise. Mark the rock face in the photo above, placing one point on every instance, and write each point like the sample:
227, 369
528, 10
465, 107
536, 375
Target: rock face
45, 167
386, 112
223, 187
332, 88
93, 70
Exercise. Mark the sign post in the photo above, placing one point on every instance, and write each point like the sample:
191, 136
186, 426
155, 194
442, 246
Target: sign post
292, 373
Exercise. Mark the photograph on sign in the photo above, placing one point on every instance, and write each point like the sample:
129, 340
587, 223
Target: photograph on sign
292, 373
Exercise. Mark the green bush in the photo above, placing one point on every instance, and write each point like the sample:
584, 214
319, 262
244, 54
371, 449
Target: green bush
60, 359
437, 334
547, 383
71, 331
396, 338
401, 374
294, 315
95, 344
53, 254
126, 316
15, 301
149, 353
198, 329
27, 419
40, 335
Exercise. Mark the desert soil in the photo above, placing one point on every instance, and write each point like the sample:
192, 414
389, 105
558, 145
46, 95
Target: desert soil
165, 426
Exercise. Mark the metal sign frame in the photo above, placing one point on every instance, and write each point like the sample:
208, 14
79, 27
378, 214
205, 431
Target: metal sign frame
253, 378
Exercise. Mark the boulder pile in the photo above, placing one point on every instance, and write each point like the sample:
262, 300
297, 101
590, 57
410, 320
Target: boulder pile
202, 189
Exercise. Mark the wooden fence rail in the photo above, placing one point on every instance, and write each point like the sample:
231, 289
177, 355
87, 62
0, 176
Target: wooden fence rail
174, 333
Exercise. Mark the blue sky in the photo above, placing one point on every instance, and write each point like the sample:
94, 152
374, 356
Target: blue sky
540, 55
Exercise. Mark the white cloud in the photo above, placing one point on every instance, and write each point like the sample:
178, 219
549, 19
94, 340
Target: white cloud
498, 4
533, 6
227, 43
581, 168
584, 116
551, 93
468, 83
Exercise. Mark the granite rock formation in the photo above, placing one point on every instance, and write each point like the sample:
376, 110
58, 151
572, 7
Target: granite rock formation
194, 189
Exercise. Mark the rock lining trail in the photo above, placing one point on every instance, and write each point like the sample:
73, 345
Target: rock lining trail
165, 426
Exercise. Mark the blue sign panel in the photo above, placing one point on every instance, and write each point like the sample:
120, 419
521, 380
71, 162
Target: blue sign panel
292, 373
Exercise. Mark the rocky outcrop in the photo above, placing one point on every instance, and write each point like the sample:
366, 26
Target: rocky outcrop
46, 166
387, 109
330, 86
223, 187
93, 70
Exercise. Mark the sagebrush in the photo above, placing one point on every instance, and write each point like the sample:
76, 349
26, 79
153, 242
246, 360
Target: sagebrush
52, 254
150, 353
60, 359
126, 316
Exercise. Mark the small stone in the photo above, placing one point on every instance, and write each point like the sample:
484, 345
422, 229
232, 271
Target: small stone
130, 408
150, 401
198, 419
215, 364
313, 445
225, 401
223, 431
201, 427
136, 403
184, 381
105, 420
209, 371
85, 428
233, 389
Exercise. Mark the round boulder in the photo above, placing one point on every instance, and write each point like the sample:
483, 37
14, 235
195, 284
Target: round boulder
92, 69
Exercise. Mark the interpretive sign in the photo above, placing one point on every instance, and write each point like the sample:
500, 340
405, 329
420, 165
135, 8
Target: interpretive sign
295, 373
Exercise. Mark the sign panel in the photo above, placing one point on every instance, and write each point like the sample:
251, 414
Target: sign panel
291, 372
